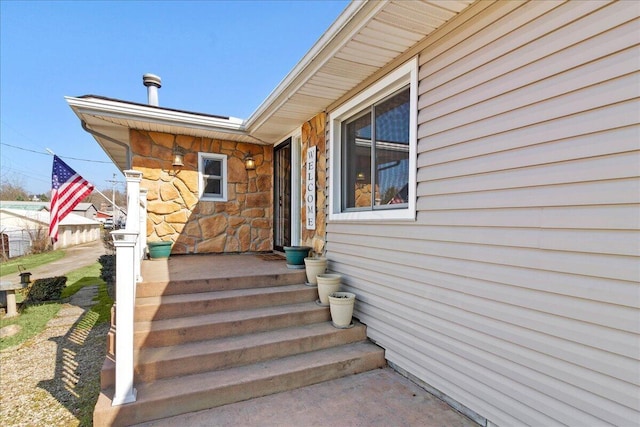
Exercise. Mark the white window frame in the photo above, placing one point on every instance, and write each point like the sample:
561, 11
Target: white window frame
406, 74
223, 185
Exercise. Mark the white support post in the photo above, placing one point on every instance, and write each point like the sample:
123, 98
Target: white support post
133, 178
125, 243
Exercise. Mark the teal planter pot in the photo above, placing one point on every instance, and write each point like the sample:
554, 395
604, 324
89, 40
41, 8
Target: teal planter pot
295, 256
159, 250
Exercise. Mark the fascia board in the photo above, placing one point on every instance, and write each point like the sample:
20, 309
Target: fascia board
106, 108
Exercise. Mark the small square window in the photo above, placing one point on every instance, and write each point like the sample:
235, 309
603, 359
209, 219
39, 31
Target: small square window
212, 171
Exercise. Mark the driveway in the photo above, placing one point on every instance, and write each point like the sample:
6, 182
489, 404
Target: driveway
75, 257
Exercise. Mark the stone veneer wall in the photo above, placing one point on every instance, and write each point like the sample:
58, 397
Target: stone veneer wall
243, 223
313, 134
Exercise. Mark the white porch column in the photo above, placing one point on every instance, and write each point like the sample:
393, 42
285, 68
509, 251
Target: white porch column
125, 242
133, 178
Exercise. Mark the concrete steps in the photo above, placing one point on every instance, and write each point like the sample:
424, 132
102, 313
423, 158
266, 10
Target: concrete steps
155, 363
177, 286
225, 340
173, 396
167, 332
189, 304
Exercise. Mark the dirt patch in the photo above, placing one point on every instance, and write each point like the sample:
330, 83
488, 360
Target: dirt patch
9, 331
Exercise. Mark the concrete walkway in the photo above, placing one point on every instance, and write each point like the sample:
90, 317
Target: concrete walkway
375, 398
75, 257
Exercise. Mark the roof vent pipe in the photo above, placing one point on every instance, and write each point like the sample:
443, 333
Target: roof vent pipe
153, 83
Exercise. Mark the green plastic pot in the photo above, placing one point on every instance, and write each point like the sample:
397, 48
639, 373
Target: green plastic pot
159, 250
295, 256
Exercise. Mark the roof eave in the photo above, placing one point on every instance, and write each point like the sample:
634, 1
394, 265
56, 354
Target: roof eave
357, 12
150, 114
109, 121
347, 58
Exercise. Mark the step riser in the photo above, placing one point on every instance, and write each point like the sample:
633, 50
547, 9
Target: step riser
176, 287
153, 371
216, 305
196, 401
225, 329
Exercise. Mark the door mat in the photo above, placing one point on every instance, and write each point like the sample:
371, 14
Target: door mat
272, 257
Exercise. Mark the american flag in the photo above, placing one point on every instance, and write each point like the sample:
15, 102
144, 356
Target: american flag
67, 190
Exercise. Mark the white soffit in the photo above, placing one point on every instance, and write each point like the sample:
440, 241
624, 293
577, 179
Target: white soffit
365, 38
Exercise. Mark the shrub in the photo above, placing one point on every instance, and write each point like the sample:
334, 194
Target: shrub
107, 241
108, 272
48, 289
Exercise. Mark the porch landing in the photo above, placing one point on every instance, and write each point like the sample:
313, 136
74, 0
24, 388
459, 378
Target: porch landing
197, 267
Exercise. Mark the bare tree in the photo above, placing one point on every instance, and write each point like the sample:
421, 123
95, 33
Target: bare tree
40, 241
13, 190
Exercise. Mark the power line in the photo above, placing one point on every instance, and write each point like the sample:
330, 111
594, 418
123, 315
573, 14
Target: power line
27, 174
62, 157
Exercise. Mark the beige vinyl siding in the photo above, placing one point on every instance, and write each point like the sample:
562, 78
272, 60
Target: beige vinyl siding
516, 291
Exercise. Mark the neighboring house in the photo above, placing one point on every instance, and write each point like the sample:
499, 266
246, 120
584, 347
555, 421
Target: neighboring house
34, 225
106, 211
101, 216
87, 210
16, 240
477, 186
27, 206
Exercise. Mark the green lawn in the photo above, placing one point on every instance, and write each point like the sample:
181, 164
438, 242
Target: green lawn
29, 262
33, 319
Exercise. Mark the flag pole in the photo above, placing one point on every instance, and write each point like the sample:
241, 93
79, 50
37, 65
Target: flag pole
94, 189
107, 199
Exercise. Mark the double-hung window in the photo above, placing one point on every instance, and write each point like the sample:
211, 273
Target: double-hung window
212, 171
373, 151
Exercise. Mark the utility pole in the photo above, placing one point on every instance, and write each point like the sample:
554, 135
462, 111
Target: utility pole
114, 182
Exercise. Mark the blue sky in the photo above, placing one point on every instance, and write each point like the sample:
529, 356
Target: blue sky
217, 57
